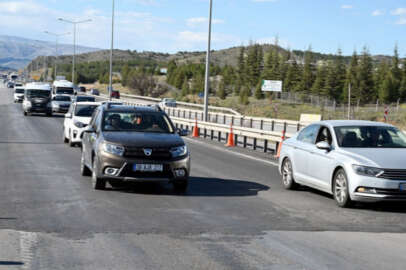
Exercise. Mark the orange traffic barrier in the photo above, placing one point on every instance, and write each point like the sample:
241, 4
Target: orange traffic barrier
278, 152
195, 130
230, 140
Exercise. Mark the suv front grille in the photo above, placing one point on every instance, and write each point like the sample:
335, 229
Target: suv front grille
158, 153
393, 174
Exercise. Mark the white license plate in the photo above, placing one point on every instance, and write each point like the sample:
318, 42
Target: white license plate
402, 187
148, 167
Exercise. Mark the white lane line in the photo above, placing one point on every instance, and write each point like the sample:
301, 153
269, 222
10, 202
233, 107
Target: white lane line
232, 152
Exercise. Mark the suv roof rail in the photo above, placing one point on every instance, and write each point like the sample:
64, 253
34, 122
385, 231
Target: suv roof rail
156, 106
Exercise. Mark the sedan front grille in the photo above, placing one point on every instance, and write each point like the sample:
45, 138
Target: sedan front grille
162, 153
393, 174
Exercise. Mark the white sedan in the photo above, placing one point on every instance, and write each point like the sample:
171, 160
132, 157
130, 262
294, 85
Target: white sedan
77, 118
353, 160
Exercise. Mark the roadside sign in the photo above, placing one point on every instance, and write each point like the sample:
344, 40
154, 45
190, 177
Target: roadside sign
271, 86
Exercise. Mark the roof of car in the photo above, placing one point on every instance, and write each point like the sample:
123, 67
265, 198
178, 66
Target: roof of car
126, 108
63, 83
88, 103
38, 86
341, 123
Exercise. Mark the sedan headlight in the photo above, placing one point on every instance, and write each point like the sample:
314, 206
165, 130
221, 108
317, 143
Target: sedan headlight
179, 151
367, 171
79, 124
55, 105
28, 103
114, 149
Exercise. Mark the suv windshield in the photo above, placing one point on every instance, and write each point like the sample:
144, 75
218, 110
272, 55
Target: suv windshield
137, 122
370, 137
38, 93
85, 110
64, 90
62, 98
19, 91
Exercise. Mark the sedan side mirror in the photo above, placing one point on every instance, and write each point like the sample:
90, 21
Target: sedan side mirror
183, 132
68, 115
89, 129
323, 146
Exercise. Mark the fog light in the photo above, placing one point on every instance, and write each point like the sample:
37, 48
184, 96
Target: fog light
111, 171
75, 133
366, 190
180, 173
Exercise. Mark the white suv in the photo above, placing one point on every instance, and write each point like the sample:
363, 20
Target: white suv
77, 118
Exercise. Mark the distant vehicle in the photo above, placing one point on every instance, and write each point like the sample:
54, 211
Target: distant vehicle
61, 103
128, 143
76, 120
82, 89
10, 84
83, 99
18, 84
353, 160
37, 99
63, 87
13, 77
18, 94
115, 94
167, 102
94, 91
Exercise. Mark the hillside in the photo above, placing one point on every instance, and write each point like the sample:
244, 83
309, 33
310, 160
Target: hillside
17, 52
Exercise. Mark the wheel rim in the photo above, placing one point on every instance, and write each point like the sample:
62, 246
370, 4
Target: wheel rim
340, 188
287, 173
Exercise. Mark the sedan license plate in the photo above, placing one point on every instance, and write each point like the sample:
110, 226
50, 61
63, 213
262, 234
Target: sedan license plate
402, 187
148, 167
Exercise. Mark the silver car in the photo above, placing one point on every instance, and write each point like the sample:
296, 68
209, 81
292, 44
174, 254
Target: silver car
352, 160
61, 103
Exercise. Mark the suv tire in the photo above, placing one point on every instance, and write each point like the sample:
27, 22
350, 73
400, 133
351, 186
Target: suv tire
180, 186
340, 189
65, 140
288, 181
97, 182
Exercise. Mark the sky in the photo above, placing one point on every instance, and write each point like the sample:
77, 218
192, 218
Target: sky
181, 25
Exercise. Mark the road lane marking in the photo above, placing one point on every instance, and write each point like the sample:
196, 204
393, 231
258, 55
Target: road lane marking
232, 152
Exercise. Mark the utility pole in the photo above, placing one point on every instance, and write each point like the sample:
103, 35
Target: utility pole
56, 48
75, 23
207, 77
111, 54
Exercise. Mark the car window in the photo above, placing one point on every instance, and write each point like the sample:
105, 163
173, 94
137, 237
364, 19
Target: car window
85, 110
324, 136
93, 121
308, 135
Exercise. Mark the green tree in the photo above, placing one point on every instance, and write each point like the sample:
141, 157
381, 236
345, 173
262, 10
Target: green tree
258, 91
402, 88
185, 88
365, 89
244, 96
396, 76
319, 83
221, 92
307, 79
241, 65
351, 77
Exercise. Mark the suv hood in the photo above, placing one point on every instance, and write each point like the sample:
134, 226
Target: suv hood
385, 158
141, 139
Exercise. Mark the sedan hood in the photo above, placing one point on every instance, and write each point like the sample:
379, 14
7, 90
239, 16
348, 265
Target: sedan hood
140, 139
386, 158
84, 120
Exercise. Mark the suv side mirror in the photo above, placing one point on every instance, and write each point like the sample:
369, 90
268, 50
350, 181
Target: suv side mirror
323, 146
68, 115
183, 132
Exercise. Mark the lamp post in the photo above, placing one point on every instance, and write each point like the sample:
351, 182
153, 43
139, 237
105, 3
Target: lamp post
207, 77
111, 53
75, 23
56, 47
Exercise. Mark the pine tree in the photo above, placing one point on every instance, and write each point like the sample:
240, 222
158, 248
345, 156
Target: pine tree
125, 71
402, 88
396, 75
351, 77
185, 88
308, 72
292, 77
385, 93
258, 91
365, 89
221, 92
379, 77
319, 83
241, 65
244, 96
253, 64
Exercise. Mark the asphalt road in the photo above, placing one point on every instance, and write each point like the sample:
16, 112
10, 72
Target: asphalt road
235, 214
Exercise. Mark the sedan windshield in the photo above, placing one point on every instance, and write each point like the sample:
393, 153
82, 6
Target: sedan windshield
85, 110
138, 122
62, 98
370, 137
19, 91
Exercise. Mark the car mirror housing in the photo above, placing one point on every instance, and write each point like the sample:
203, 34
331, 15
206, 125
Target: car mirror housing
323, 146
183, 132
89, 129
68, 115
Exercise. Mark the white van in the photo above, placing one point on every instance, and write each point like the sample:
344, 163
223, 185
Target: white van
18, 93
37, 98
63, 87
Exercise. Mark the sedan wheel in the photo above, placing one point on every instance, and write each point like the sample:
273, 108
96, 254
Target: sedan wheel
287, 175
97, 182
341, 194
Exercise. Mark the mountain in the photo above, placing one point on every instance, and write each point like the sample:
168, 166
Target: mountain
17, 52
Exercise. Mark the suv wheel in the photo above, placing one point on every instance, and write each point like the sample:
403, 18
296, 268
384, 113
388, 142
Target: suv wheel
65, 140
71, 144
97, 182
340, 189
84, 170
180, 186
287, 175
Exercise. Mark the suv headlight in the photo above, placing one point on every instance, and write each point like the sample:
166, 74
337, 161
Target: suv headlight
179, 151
78, 124
28, 103
367, 171
117, 150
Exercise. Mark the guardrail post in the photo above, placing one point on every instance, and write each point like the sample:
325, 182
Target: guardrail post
242, 121
273, 125
184, 114
265, 146
284, 127
202, 117
195, 115
219, 136
179, 113
217, 118
211, 134
205, 133
190, 115
298, 127
254, 146
261, 124
224, 119
236, 139
245, 142
251, 123
232, 120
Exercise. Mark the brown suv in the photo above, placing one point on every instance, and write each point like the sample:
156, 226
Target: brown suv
128, 143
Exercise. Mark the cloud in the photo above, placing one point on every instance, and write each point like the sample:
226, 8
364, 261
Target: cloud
192, 22
346, 6
399, 11
401, 21
378, 12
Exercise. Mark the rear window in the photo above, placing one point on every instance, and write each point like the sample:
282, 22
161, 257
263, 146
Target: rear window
19, 91
62, 98
64, 90
85, 99
85, 110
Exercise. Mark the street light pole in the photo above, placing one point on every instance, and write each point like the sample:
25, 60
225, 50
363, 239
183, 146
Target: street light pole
207, 77
111, 53
75, 23
56, 48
